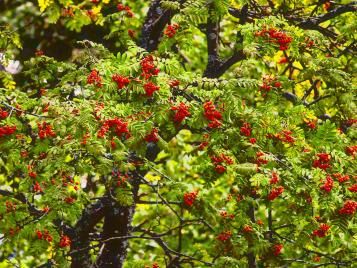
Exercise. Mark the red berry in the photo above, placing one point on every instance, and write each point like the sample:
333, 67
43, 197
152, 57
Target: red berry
274, 178
94, 78
150, 88
65, 241
121, 81
246, 129
189, 198
7, 130
224, 236
182, 111
212, 115
277, 249
247, 229
170, 30
322, 231
275, 192
349, 208
152, 136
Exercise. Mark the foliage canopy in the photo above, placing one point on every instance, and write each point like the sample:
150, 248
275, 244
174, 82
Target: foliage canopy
178, 133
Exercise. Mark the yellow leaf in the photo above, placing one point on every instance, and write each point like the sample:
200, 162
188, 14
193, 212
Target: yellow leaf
68, 159
151, 177
9, 84
44, 4
96, 10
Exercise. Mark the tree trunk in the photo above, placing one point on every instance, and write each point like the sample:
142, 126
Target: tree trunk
117, 227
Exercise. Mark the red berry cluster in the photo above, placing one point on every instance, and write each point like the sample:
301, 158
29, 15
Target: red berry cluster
39, 53
224, 236
328, 184
90, 13
45, 130
322, 162
121, 182
204, 143
189, 198
67, 12
131, 33
311, 124
94, 78
152, 136
46, 209
285, 136
45, 235
121, 81
283, 60
247, 229
274, 178
32, 174
182, 111
7, 130
252, 140
174, 83
148, 67
275, 192
353, 188
317, 258
327, 5
150, 88
322, 231
69, 200
225, 215
85, 138
341, 178
349, 208
246, 129
351, 150
3, 114
219, 160
37, 187
120, 128
261, 158
127, 9
212, 115
171, 29
351, 121
68, 181
269, 82
277, 248
276, 36
10, 206
13, 231
65, 241
45, 108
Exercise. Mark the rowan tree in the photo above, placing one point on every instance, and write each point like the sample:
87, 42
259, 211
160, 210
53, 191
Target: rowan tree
178, 133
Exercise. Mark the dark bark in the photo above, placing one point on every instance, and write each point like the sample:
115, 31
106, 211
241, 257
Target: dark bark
117, 223
215, 66
155, 22
80, 242
212, 37
330, 15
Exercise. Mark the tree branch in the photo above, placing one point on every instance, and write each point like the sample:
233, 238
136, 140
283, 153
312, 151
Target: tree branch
212, 39
154, 24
